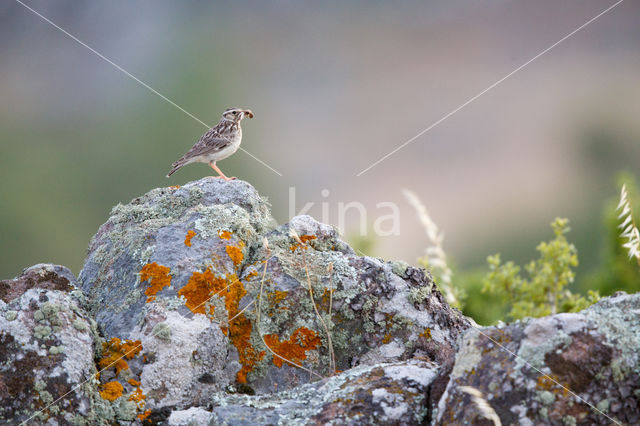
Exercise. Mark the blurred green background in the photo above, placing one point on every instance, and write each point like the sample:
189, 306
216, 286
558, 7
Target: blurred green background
334, 86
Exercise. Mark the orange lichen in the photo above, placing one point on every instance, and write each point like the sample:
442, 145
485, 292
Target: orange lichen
158, 277
426, 333
295, 349
115, 352
277, 296
306, 238
111, 391
327, 294
225, 235
138, 397
275, 300
235, 254
200, 288
133, 382
240, 335
303, 244
387, 338
144, 415
550, 383
187, 239
174, 187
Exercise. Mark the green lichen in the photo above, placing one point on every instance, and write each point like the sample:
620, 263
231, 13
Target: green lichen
11, 315
603, 405
399, 268
51, 313
534, 348
39, 385
543, 412
38, 315
125, 410
55, 350
417, 295
368, 309
162, 331
41, 332
80, 325
569, 420
546, 397
468, 356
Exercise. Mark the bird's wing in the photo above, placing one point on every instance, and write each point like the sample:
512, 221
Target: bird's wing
211, 141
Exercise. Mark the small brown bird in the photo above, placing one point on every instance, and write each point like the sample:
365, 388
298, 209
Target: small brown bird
218, 143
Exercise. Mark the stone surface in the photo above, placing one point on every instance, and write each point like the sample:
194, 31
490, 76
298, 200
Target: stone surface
46, 349
592, 354
387, 393
178, 273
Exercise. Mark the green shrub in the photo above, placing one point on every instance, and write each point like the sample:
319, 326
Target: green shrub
544, 291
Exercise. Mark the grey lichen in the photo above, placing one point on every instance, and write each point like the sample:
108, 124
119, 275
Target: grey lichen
162, 331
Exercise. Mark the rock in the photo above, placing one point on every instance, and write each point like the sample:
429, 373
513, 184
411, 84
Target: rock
46, 350
178, 272
564, 363
386, 393
197, 309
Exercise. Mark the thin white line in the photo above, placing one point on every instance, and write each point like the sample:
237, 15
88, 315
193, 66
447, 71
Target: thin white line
136, 79
593, 407
260, 161
488, 88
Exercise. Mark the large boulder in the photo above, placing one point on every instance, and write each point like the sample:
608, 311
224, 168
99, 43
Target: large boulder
572, 368
214, 296
47, 344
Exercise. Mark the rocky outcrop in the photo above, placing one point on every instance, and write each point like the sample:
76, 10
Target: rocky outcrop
47, 343
572, 368
194, 307
217, 297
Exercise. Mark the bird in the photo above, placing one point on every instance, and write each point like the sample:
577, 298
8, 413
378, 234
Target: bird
218, 143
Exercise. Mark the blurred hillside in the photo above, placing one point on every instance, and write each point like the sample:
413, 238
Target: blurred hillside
334, 88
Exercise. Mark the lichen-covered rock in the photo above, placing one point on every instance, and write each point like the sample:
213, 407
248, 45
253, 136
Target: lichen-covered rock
176, 276
46, 350
374, 311
387, 393
592, 354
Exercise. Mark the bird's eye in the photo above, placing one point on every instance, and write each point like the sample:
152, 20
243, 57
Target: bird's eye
234, 113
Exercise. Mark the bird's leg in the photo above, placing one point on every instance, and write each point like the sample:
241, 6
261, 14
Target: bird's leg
222, 175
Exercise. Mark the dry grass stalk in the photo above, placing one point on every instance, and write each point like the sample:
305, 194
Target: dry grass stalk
330, 272
258, 310
332, 357
435, 255
479, 400
629, 229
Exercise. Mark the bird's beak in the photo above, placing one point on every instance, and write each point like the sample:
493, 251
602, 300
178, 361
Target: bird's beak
248, 113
